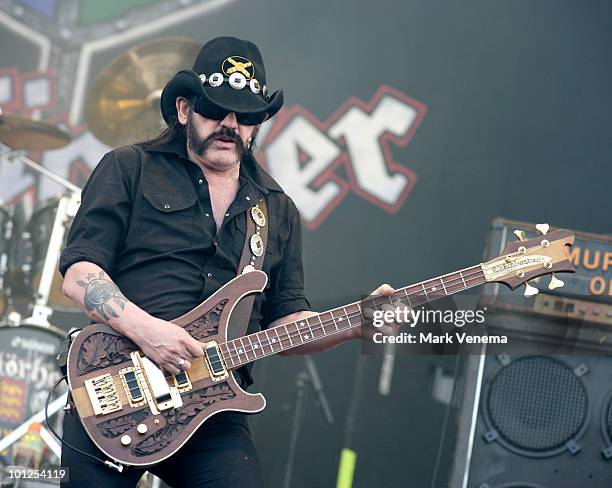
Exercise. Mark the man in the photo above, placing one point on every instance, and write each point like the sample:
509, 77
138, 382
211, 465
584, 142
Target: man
162, 226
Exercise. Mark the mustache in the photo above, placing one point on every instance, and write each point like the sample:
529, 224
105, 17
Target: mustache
226, 133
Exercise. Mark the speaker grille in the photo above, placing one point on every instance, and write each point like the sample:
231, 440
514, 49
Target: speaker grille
536, 404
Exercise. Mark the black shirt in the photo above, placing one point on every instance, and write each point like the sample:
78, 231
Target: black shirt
146, 219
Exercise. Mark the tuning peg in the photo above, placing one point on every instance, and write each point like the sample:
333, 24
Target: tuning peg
543, 228
520, 235
530, 290
555, 283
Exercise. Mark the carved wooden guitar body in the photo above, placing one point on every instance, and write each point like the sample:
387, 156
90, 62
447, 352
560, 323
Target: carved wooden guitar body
136, 416
99, 350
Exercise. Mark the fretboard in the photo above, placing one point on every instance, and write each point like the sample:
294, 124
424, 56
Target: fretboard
283, 337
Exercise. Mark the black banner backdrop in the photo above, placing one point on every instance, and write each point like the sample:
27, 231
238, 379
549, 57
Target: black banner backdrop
408, 126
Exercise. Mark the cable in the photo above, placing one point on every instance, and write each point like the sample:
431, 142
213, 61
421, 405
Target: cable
115, 466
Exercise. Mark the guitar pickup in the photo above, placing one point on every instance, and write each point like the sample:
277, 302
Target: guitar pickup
182, 381
103, 394
214, 362
132, 383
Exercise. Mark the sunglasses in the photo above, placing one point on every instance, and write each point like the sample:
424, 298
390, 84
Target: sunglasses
214, 112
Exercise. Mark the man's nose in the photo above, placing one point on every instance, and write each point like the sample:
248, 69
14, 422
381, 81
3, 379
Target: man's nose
230, 121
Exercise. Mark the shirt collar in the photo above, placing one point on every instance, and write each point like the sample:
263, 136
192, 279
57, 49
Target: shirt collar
249, 168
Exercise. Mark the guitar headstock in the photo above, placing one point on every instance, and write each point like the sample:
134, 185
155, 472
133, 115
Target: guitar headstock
523, 260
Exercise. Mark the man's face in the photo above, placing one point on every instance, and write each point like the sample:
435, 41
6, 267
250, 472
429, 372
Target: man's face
220, 144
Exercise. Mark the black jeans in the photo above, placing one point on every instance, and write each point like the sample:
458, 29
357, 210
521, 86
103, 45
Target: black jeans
220, 454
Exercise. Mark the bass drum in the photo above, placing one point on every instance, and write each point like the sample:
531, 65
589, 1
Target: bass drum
29, 259
28, 371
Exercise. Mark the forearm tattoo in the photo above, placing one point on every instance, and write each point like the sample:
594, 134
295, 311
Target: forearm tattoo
100, 294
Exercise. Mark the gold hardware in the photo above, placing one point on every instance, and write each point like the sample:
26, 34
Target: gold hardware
142, 429
182, 381
522, 249
215, 362
545, 243
530, 290
555, 283
508, 259
136, 360
543, 228
520, 235
133, 382
258, 216
520, 273
126, 440
103, 394
548, 264
156, 421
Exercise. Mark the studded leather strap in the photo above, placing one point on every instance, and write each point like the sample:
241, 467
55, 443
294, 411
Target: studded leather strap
253, 255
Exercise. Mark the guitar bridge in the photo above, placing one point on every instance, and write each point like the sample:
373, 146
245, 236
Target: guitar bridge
214, 362
103, 394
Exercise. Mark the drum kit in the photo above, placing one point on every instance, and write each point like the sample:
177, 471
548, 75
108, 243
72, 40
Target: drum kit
122, 107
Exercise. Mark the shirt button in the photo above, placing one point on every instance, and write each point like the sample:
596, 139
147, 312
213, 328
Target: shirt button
248, 198
208, 215
167, 206
200, 181
215, 243
209, 275
227, 215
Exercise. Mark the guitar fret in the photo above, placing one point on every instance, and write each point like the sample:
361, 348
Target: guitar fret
310, 329
258, 335
425, 290
443, 287
334, 321
280, 342
243, 349
408, 297
463, 279
252, 347
288, 335
226, 354
269, 341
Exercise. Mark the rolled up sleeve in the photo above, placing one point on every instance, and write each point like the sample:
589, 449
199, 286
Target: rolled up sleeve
286, 292
102, 219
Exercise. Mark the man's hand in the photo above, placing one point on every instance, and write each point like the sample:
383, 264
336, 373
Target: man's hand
367, 331
98, 296
166, 344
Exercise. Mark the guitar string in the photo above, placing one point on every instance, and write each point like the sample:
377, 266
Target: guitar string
323, 324
332, 321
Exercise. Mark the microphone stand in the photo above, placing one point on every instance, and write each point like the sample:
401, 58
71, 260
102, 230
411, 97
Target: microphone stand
310, 375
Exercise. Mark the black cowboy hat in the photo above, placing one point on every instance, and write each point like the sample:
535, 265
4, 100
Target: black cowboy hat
228, 76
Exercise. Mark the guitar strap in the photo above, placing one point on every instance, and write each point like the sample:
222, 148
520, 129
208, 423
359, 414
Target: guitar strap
253, 255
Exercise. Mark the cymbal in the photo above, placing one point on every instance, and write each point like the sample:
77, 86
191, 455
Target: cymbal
23, 134
123, 104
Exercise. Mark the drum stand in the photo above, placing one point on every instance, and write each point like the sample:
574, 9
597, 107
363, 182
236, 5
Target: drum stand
66, 210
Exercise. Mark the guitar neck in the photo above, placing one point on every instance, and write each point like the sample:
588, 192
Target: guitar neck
287, 336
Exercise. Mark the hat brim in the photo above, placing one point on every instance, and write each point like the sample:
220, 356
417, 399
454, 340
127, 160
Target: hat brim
241, 101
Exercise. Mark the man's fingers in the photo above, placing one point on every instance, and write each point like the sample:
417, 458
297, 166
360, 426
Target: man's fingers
171, 369
383, 289
195, 349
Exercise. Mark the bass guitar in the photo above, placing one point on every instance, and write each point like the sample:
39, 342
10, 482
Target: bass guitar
138, 416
